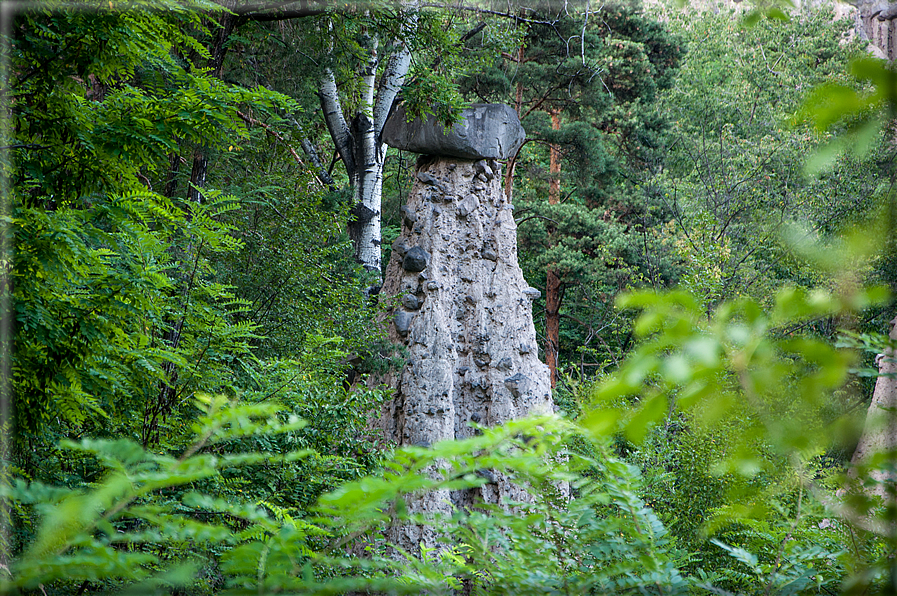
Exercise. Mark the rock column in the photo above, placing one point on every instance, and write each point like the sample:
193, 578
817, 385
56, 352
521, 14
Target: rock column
464, 311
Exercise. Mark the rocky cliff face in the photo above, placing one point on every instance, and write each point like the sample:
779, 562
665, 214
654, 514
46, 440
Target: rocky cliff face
880, 431
465, 314
876, 20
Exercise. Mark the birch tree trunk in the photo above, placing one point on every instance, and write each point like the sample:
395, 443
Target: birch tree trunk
358, 141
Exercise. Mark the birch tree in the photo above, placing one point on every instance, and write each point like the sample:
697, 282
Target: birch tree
363, 61
358, 138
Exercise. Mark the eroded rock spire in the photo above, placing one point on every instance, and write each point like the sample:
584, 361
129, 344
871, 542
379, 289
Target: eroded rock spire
464, 311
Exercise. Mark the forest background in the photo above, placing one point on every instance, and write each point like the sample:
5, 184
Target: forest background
706, 198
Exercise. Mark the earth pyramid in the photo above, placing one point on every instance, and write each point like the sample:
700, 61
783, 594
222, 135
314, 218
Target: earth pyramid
464, 309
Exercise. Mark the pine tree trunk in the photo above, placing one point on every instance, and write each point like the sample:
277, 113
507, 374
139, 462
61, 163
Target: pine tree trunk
554, 295
554, 289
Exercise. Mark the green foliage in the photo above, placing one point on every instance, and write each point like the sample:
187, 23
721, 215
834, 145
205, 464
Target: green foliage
734, 178
93, 293
295, 267
719, 375
105, 268
113, 531
733, 418
100, 99
856, 115
128, 302
340, 444
706, 462
774, 533
606, 540
730, 356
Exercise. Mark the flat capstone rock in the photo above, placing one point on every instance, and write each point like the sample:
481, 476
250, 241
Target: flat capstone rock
484, 131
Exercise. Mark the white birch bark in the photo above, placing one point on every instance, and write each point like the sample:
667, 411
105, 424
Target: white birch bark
336, 122
368, 183
359, 143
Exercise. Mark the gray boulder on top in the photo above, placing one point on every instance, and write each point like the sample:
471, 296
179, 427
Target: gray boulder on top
485, 131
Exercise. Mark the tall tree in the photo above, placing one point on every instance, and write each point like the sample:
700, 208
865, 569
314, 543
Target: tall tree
222, 25
95, 125
358, 139
120, 277
734, 174
583, 81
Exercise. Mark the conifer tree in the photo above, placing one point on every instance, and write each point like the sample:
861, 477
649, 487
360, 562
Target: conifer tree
583, 82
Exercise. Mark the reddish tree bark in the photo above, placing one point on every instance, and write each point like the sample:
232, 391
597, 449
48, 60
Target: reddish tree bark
554, 295
554, 289
518, 106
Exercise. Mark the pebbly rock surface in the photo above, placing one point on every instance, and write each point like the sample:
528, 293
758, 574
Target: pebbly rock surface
485, 131
465, 314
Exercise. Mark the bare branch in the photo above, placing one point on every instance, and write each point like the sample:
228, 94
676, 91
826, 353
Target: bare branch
277, 11
252, 121
323, 175
478, 10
